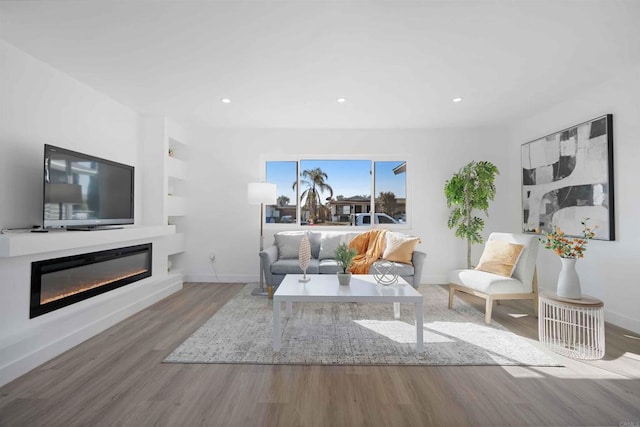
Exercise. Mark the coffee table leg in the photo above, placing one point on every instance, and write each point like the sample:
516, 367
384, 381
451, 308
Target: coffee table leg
396, 310
419, 327
289, 303
276, 325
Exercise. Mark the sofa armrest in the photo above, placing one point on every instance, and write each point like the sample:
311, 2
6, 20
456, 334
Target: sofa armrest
418, 259
267, 257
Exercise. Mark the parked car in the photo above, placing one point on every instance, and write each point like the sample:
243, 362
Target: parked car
365, 219
287, 219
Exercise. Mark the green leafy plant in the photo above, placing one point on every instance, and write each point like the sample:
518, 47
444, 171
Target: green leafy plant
471, 188
387, 203
345, 256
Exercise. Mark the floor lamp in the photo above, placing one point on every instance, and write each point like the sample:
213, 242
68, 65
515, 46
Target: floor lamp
261, 193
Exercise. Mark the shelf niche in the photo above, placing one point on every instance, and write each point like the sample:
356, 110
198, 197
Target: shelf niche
166, 156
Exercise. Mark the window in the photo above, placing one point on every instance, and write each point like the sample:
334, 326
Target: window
391, 190
283, 174
331, 190
338, 192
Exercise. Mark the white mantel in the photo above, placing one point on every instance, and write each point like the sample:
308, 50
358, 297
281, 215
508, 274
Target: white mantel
27, 243
26, 343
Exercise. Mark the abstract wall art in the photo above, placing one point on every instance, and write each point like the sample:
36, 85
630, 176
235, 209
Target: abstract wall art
567, 177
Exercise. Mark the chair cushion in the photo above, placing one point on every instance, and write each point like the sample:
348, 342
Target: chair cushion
488, 283
292, 266
526, 265
499, 257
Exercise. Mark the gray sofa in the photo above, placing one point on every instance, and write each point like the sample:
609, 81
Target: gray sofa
281, 258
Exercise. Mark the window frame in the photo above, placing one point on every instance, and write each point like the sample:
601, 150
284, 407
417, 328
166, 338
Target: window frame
264, 158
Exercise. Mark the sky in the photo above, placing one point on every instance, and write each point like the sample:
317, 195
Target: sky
347, 177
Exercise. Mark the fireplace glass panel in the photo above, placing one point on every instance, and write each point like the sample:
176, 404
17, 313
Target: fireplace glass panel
61, 284
56, 283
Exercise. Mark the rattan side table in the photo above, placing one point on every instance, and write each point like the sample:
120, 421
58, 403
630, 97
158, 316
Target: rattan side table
572, 327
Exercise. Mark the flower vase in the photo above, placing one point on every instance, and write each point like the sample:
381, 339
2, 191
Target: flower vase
568, 280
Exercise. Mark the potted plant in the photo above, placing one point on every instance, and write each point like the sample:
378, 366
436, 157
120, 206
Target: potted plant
472, 187
569, 249
344, 258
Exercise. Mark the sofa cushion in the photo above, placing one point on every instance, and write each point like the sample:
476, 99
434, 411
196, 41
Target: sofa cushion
288, 243
329, 243
349, 236
329, 266
399, 247
400, 269
315, 238
292, 266
488, 283
500, 257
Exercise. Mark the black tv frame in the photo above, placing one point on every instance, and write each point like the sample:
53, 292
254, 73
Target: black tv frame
86, 224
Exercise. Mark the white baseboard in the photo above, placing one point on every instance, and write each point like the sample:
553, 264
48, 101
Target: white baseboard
221, 278
28, 352
621, 321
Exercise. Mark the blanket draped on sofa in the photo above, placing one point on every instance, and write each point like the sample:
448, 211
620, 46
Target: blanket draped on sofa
370, 246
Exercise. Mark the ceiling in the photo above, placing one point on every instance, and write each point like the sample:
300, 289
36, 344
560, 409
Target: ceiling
399, 64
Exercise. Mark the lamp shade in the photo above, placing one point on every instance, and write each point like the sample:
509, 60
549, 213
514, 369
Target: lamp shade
261, 192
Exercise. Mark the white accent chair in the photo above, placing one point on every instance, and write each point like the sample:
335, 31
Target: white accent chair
493, 287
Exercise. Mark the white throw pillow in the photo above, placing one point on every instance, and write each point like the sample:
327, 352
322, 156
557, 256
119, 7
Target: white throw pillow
329, 243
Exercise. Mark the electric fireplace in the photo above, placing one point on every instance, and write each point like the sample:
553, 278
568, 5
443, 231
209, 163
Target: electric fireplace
59, 282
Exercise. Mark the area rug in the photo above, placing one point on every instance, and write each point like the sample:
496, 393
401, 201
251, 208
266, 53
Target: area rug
356, 334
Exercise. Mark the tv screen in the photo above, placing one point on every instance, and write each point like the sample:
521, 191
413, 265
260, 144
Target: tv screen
85, 191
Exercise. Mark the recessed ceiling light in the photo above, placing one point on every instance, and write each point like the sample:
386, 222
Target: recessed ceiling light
225, 100
456, 100
341, 100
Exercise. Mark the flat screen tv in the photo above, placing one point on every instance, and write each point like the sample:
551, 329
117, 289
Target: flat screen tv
85, 192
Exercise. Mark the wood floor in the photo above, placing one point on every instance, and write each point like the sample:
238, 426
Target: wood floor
117, 378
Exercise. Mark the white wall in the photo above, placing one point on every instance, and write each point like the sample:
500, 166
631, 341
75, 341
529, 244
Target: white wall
609, 270
222, 162
41, 105
38, 105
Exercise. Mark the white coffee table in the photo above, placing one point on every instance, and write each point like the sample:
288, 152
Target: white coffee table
363, 289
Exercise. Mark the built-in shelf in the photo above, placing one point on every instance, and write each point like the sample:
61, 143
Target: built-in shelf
176, 168
27, 243
175, 244
175, 264
176, 206
166, 156
176, 144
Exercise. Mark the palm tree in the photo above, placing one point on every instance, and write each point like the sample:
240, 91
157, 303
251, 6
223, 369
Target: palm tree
314, 180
